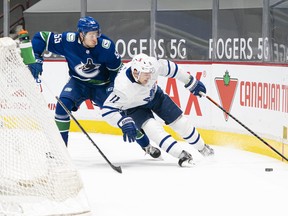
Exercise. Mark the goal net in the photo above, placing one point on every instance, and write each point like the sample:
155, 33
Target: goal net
37, 176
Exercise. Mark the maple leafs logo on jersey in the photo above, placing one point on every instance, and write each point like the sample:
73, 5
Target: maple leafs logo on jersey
89, 69
152, 93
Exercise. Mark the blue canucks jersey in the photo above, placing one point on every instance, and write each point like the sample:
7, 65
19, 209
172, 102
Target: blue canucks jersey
98, 65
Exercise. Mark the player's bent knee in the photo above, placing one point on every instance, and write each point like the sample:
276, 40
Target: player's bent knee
182, 125
60, 113
154, 130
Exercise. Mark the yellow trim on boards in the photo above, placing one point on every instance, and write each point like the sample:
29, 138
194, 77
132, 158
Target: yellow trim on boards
240, 141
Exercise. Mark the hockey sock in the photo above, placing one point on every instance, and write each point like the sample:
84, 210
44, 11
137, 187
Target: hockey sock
62, 119
142, 139
186, 129
63, 127
157, 134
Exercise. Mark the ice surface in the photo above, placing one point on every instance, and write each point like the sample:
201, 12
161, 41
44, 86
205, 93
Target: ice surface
232, 183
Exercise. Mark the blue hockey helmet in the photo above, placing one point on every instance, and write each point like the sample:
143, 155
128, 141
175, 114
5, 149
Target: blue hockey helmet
87, 24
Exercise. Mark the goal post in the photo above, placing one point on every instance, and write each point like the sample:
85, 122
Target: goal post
37, 176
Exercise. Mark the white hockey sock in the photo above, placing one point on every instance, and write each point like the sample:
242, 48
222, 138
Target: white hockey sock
189, 133
155, 131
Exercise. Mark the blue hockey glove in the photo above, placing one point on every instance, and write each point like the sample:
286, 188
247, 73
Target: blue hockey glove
195, 86
128, 128
36, 68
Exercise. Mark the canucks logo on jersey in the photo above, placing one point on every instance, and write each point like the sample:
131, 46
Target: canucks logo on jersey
88, 70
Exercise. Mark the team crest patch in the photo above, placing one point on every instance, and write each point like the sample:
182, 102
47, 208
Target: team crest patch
68, 89
106, 43
70, 37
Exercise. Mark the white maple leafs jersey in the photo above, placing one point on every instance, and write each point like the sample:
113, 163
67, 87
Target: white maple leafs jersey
127, 93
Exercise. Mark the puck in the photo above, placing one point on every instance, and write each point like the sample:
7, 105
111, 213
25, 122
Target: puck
268, 169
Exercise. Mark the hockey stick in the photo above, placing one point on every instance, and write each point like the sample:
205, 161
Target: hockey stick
248, 129
117, 168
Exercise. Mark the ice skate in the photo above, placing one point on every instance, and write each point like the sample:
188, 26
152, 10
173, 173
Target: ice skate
152, 151
207, 151
185, 159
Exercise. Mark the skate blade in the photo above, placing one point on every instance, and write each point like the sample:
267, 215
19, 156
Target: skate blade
160, 158
188, 164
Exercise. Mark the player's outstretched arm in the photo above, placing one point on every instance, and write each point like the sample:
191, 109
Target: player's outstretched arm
171, 69
195, 86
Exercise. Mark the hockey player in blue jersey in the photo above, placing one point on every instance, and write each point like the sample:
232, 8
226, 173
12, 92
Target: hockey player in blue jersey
137, 95
93, 64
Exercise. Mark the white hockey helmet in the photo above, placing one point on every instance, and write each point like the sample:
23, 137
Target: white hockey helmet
142, 63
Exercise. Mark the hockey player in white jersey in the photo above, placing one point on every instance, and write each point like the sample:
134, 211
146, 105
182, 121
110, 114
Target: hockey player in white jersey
136, 96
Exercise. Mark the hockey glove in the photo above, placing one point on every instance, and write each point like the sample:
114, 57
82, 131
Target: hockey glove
128, 128
195, 86
36, 68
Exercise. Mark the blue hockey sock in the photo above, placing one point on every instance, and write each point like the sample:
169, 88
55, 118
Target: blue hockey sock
63, 127
62, 119
142, 139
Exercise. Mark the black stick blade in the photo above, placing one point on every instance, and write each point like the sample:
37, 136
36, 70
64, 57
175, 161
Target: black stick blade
117, 168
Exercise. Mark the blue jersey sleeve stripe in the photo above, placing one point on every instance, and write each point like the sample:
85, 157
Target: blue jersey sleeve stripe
169, 68
108, 113
111, 110
176, 70
109, 107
